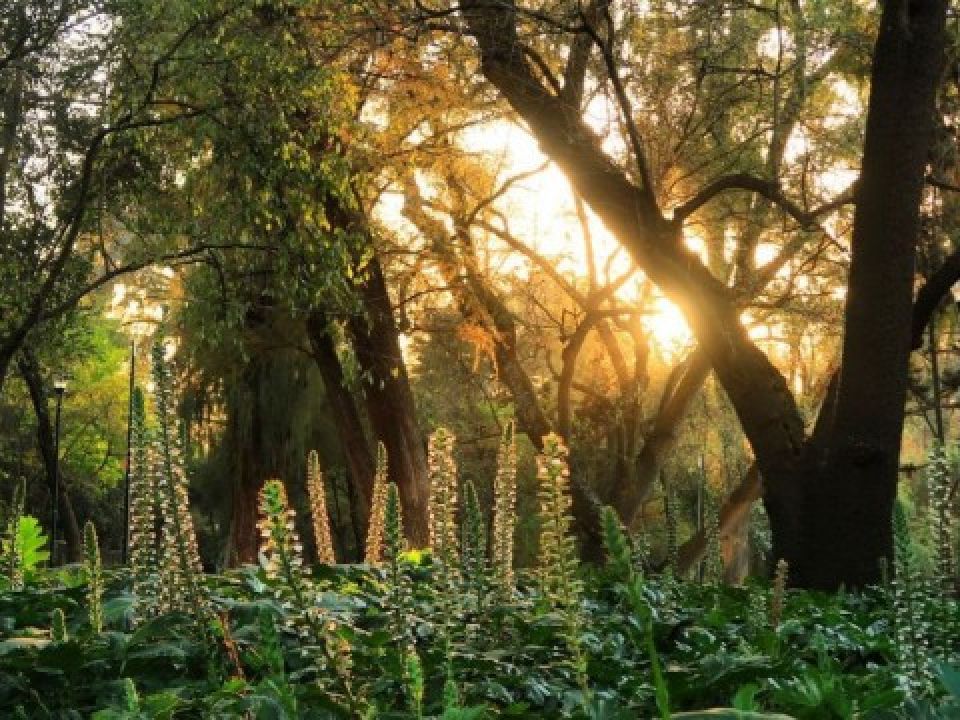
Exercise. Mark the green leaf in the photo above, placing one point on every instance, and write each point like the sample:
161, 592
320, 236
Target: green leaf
950, 677
729, 714
31, 544
746, 697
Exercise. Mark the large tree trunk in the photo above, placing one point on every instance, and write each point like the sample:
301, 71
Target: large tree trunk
759, 393
30, 370
850, 493
733, 512
389, 400
250, 466
353, 439
386, 386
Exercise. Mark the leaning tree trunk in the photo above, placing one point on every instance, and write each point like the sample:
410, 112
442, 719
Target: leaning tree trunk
389, 400
350, 431
386, 386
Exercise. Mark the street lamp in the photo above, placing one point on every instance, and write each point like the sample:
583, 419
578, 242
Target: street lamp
125, 549
59, 389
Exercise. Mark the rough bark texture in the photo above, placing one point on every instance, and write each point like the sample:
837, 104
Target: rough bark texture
353, 439
389, 400
386, 386
250, 470
849, 495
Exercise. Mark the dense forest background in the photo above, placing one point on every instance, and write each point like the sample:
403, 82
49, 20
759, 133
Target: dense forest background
711, 245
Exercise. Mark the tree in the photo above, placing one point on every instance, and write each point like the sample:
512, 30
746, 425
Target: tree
69, 125
265, 180
830, 495
463, 212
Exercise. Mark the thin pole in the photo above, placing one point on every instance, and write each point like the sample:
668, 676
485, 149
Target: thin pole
126, 478
935, 375
701, 515
55, 523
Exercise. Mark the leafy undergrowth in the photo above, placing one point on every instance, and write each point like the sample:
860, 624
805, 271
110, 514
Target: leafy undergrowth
825, 657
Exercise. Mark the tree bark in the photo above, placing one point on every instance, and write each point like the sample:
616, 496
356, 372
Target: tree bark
735, 508
759, 393
250, 471
389, 400
386, 386
733, 513
350, 431
849, 496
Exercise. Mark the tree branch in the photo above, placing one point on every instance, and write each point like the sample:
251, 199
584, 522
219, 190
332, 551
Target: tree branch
931, 294
807, 219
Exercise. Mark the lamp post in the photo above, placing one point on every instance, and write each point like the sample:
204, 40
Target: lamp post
126, 478
59, 389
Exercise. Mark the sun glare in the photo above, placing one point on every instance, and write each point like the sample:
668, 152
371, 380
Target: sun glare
668, 326
542, 213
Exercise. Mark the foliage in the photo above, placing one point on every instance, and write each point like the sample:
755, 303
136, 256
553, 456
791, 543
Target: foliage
713, 558
559, 559
236, 130
830, 658
630, 584
24, 549
778, 595
397, 599
474, 571
281, 553
317, 492
374, 545
93, 570
12, 563
58, 626
181, 575
504, 512
144, 513
351, 641
443, 502
910, 596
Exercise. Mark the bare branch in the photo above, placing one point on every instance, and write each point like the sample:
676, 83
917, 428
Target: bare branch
807, 219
